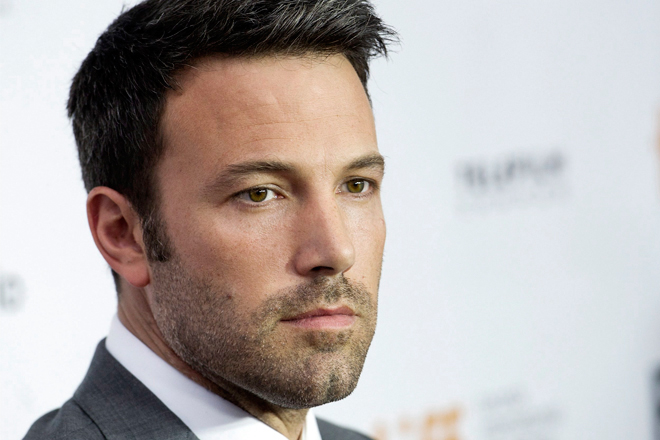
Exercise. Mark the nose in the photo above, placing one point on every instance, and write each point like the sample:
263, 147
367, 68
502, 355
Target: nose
324, 243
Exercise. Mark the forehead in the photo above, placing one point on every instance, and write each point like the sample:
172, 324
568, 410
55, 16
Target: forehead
242, 107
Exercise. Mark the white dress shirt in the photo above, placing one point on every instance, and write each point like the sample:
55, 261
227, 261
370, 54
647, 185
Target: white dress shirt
209, 416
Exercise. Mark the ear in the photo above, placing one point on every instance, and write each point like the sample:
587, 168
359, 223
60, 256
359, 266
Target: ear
117, 233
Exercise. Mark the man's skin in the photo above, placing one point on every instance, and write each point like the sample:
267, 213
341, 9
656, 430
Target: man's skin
316, 214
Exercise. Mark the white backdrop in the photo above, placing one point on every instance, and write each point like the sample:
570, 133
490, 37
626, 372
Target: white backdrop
520, 296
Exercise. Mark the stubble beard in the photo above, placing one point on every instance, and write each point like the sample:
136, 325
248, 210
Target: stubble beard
256, 352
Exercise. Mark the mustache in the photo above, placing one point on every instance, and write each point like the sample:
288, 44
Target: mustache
319, 292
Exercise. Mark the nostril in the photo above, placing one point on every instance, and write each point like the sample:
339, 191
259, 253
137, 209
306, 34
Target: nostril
321, 268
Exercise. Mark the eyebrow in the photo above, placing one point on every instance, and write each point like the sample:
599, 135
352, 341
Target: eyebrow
374, 160
238, 171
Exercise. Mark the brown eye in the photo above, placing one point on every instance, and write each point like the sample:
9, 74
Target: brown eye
356, 186
258, 194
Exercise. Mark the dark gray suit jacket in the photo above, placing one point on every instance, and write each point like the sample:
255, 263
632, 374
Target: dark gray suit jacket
112, 404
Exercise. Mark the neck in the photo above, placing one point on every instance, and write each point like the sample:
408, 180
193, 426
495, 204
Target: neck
135, 314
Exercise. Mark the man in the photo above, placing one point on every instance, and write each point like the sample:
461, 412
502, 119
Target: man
229, 152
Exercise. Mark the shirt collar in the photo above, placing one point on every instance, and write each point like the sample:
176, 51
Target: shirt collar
209, 416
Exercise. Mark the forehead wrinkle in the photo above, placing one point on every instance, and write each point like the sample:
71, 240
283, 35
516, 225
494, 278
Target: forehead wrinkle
290, 109
301, 127
295, 121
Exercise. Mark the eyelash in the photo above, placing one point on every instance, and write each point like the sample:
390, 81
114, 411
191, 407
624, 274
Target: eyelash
371, 186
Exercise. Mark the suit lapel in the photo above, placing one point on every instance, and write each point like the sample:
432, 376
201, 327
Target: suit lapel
122, 407
331, 431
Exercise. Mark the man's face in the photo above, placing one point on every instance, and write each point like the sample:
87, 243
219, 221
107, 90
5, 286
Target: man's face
269, 188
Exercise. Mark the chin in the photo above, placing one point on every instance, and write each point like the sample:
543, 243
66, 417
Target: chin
329, 388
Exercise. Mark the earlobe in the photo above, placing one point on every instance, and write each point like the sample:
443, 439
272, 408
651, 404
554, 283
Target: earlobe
116, 229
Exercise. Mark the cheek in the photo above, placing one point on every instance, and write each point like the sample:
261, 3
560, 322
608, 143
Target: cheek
244, 255
369, 240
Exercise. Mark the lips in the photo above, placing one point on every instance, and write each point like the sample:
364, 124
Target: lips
323, 318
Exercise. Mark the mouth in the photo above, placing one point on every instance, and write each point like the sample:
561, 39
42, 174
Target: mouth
324, 318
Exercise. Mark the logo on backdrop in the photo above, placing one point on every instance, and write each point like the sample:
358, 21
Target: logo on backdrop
506, 415
517, 178
513, 415
12, 292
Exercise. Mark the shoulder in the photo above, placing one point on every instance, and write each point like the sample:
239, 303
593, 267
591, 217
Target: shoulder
330, 431
69, 422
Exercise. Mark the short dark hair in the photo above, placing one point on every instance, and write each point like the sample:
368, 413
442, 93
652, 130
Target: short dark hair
117, 96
